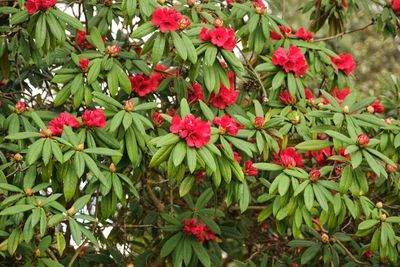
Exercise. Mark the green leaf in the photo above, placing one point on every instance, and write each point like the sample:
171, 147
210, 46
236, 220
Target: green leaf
23, 135
309, 197
284, 184
94, 71
16, 209
179, 153
170, 244
158, 48
339, 136
346, 179
40, 31
310, 253
291, 83
210, 55
10, 188
268, 166
278, 79
311, 145
75, 231
191, 50
143, 30
207, 157
206, 111
367, 224
97, 39
179, 45
34, 151
72, 21
201, 254
102, 151
184, 108
186, 185
81, 202
204, 198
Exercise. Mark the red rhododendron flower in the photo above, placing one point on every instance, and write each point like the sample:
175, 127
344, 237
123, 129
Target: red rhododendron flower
286, 32
314, 175
57, 125
309, 94
396, 6
32, 6
46, 4
184, 22
198, 229
237, 157
196, 132
249, 169
225, 97
81, 40
286, 98
143, 84
220, 36
195, 93
167, 19
338, 95
302, 34
344, 63
227, 125
344, 4
376, 107
293, 61
288, 158
157, 119
84, 64
94, 118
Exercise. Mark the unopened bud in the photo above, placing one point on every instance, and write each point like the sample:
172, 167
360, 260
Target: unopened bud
383, 217
379, 205
346, 109
80, 147
71, 211
325, 238
18, 157
113, 50
315, 175
39, 203
29, 192
161, 2
128, 105
112, 168
371, 109
218, 22
191, 2
37, 253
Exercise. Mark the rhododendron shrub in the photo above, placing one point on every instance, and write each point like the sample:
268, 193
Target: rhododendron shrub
193, 133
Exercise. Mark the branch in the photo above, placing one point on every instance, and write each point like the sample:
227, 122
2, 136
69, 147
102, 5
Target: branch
354, 259
71, 262
343, 33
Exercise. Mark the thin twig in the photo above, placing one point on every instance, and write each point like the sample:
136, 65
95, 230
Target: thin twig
354, 259
77, 252
343, 33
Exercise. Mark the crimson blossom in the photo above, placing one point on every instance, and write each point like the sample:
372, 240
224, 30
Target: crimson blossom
226, 96
34, 5
94, 118
167, 19
227, 125
57, 125
293, 60
286, 98
198, 229
197, 133
219, 36
344, 63
288, 158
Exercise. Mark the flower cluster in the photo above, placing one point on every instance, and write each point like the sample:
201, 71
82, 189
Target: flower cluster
94, 118
303, 34
376, 107
227, 125
57, 125
288, 158
338, 95
198, 229
259, 6
286, 98
197, 133
293, 60
220, 36
143, 84
249, 169
169, 20
225, 97
34, 5
195, 93
344, 63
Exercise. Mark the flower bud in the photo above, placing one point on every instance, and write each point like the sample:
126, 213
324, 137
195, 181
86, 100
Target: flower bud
368, 254
383, 217
108, 3
325, 238
379, 205
258, 122
346, 109
218, 22
46, 133
113, 50
128, 105
18, 157
39, 203
363, 140
191, 2
222, 130
112, 168
259, 7
28, 192
37, 253
84, 64
296, 119
184, 23
320, 105
314, 175
161, 2
388, 121
19, 107
391, 168
80, 147
71, 211
371, 109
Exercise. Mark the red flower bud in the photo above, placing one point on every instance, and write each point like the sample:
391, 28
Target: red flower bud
113, 50
392, 168
314, 175
128, 105
218, 22
19, 107
258, 122
84, 64
368, 254
184, 23
362, 140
